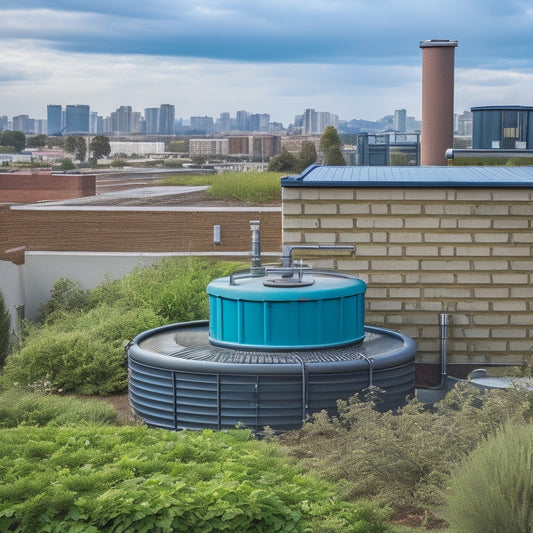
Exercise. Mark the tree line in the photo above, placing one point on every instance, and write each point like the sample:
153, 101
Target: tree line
330, 146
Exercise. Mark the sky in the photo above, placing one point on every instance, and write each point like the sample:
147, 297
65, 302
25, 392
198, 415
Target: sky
357, 59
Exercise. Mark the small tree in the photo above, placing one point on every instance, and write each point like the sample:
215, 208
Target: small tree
17, 139
307, 155
67, 164
330, 144
5, 327
283, 162
75, 144
99, 147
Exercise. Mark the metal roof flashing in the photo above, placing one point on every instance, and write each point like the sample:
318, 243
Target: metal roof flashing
426, 176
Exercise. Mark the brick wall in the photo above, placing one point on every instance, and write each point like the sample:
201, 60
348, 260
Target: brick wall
20, 187
134, 229
424, 251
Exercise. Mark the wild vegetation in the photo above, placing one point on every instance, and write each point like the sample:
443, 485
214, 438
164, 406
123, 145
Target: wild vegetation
66, 465
77, 343
251, 187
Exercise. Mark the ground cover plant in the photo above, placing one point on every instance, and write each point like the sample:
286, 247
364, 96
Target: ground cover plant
78, 342
249, 187
98, 479
20, 406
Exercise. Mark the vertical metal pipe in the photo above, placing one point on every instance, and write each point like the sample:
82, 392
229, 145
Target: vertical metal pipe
256, 244
443, 336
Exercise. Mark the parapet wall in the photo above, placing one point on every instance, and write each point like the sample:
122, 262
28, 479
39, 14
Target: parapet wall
424, 251
20, 187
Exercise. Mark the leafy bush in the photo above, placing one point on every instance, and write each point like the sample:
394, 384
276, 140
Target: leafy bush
79, 345
137, 479
403, 458
37, 409
493, 491
82, 352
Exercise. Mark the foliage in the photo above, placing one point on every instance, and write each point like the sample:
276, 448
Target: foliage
66, 296
404, 457
67, 164
36, 408
17, 139
397, 159
5, 330
118, 163
493, 161
307, 156
37, 141
172, 162
75, 144
99, 147
493, 491
250, 187
188, 179
283, 162
7, 150
135, 479
178, 146
78, 343
330, 144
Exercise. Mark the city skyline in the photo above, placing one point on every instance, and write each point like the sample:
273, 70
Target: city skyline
354, 59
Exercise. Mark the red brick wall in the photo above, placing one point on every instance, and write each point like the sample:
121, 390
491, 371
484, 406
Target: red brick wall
134, 230
30, 187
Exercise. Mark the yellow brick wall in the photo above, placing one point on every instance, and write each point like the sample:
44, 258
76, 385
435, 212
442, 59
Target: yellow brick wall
423, 251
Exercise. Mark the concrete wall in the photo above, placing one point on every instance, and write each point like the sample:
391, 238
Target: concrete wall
424, 251
13, 288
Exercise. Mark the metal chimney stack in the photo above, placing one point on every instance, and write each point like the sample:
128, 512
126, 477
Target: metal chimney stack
438, 63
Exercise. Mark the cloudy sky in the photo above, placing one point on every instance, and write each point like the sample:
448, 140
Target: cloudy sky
355, 58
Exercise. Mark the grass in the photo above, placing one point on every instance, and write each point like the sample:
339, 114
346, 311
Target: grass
250, 187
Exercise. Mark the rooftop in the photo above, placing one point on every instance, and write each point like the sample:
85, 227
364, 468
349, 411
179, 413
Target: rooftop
426, 176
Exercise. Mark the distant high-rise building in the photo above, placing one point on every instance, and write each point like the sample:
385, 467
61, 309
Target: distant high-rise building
53, 117
242, 121
202, 125
122, 119
4, 123
93, 123
315, 122
151, 120
400, 117
259, 121
23, 123
77, 119
167, 118
463, 124
224, 122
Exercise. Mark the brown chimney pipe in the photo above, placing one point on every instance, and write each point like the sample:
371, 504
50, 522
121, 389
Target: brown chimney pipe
438, 58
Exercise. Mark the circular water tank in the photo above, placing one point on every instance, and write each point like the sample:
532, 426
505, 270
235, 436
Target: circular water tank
178, 380
276, 312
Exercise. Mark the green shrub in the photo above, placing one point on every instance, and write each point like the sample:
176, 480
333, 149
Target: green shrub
79, 345
137, 479
403, 458
66, 296
19, 406
493, 491
81, 352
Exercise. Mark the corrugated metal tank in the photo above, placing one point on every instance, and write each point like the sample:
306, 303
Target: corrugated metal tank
276, 349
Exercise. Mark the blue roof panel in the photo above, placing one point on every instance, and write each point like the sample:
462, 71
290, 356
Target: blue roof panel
319, 176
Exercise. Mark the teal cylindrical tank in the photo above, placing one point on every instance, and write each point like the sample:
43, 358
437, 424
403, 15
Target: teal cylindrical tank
257, 313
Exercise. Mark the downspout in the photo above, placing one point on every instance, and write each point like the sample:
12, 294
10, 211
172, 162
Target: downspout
443, 338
